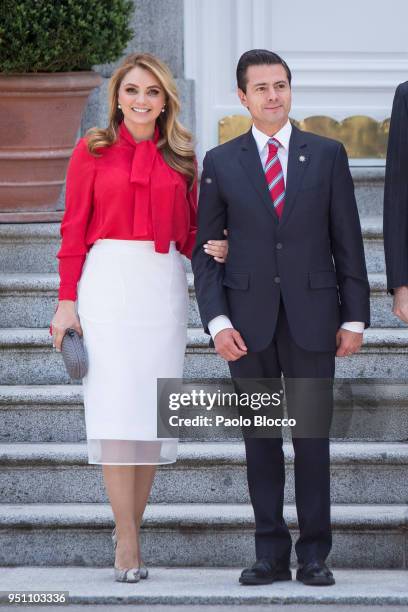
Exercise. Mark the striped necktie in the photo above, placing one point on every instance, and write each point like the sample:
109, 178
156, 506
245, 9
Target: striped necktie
274, 177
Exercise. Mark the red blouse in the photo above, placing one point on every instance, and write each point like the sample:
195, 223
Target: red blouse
127, 193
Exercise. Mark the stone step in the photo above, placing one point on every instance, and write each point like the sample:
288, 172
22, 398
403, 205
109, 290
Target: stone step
370, 536
384, 353
44, 413
27, 357
29, 300
211, 589
211, 607
54, 413
32, 247
369, 189
334, 607
372, 228
364, 473
381, 303
29, 247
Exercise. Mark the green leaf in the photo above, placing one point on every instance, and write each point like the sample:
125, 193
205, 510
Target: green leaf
62, 35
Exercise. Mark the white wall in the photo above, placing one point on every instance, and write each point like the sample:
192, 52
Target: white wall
346, 57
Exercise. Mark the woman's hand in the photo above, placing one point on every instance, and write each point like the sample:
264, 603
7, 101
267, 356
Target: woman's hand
64, 318
217, 248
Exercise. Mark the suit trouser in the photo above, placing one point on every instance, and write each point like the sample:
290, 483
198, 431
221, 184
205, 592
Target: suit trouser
265, 458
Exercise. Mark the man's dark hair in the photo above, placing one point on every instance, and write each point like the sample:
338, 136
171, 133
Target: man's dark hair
258, 57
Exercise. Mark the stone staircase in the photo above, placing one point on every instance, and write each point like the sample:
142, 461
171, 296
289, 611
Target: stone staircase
53, 508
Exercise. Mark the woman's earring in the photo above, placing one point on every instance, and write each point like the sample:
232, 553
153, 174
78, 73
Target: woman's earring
163, 109
119, 107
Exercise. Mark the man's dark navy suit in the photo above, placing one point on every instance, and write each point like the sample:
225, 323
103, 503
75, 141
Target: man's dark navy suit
287, 286
396, 193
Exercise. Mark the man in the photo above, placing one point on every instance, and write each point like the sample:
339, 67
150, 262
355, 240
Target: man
396, 204
295, 272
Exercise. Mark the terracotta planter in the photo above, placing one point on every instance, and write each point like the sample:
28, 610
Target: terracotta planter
39, 119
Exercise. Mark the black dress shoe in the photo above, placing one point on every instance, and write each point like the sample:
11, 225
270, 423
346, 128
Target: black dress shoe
265, 572
315, 573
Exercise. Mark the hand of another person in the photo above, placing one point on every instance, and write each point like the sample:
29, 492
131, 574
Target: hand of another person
348, 342
64, 318
217, 249
229, 344
400, 306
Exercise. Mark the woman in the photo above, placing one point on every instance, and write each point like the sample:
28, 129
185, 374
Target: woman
131, 206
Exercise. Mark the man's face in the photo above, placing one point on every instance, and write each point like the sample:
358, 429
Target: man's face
268, 96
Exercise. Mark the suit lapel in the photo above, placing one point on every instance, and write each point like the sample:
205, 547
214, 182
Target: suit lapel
298, 162
251, 163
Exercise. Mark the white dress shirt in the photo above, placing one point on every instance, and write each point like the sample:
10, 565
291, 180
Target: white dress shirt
283, 137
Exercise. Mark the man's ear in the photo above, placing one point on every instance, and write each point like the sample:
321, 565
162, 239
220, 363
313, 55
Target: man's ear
242, 97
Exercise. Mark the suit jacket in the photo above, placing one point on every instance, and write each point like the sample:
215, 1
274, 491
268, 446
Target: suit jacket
312, 258
396, 193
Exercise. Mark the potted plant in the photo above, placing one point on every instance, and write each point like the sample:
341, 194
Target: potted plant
47, 50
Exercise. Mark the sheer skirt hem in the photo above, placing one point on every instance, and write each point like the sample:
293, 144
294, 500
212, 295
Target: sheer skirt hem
132, 452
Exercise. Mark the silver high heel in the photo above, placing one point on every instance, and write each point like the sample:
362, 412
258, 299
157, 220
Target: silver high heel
143, 571
127, 575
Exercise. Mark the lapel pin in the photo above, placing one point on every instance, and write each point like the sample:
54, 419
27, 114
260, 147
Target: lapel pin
302, 158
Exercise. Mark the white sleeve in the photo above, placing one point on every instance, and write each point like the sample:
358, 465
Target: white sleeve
354, 326
218, 324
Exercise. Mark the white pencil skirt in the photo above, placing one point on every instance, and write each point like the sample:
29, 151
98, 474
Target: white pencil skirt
132, 304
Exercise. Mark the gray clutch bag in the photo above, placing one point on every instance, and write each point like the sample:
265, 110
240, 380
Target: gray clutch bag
74, 354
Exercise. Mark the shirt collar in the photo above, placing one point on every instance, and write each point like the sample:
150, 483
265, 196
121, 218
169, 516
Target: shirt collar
283, 136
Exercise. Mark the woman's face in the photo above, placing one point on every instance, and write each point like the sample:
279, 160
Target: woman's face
141, 97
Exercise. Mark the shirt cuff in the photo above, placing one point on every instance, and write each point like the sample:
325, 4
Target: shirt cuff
354, 326
218, 324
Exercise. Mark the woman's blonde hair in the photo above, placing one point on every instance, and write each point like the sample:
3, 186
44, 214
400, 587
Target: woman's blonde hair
175, 142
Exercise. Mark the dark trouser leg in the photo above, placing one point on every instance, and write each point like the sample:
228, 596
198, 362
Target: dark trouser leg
265, 469
312, 455
312, 488
266, 484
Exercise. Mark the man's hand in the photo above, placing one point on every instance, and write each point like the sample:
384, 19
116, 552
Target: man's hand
230, 345
348, 342
400, 306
